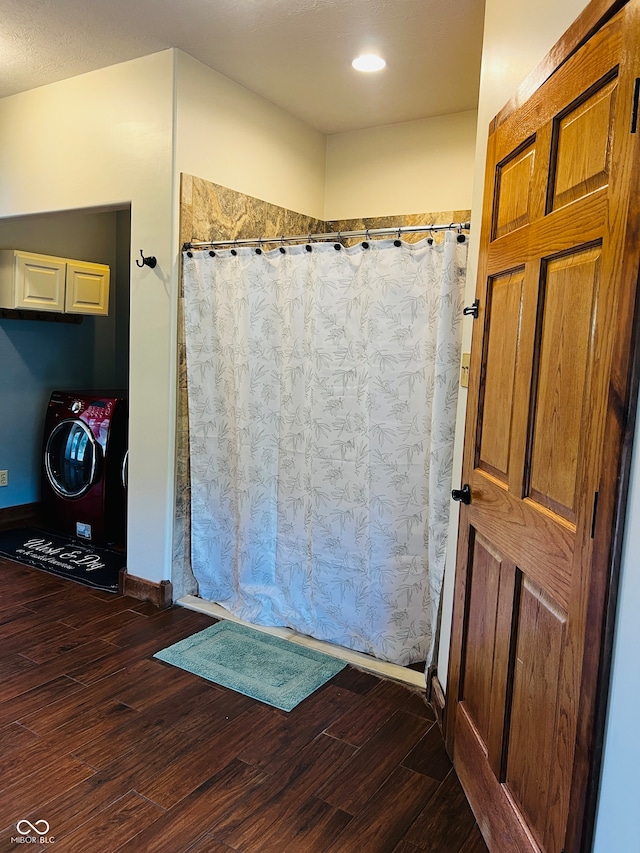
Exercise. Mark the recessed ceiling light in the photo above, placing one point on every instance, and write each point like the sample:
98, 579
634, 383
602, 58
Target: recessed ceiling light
369, 62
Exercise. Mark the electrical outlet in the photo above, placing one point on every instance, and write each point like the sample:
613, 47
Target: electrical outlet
464, 369
4, 478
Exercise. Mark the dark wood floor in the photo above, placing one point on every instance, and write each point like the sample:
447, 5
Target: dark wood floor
120, 752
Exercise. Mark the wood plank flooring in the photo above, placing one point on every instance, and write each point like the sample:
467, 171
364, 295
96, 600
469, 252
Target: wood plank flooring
117, 751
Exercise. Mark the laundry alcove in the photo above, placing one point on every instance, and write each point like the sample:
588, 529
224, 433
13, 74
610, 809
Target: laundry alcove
39, 356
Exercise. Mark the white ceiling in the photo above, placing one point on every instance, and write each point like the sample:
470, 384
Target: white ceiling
295, 53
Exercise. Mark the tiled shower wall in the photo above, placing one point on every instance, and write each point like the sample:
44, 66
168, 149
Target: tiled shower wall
211, 212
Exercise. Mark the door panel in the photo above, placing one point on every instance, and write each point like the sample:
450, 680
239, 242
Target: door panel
583, 146
535, 705
513, 204
548, 379
481, 635
564, 341
505, 293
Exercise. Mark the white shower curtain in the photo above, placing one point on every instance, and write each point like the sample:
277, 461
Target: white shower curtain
322, 392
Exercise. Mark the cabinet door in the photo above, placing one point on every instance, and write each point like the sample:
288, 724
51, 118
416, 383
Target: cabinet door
87, 288
39, 282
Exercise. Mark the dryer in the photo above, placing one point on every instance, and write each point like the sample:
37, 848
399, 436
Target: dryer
84, 450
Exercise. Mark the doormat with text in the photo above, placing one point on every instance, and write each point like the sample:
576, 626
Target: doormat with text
63, 556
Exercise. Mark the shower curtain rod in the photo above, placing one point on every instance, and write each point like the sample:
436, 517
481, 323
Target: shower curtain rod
334, 235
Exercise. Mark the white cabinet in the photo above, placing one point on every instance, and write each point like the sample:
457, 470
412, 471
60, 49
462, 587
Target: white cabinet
45, 283
87, 290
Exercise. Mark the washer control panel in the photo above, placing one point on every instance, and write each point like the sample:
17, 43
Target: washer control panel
99, 409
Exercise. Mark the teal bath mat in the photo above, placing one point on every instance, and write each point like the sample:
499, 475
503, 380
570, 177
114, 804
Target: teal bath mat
275, 671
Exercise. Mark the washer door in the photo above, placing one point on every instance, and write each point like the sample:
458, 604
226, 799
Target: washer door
72, 458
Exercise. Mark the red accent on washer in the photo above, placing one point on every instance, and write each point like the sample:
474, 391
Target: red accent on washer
85, 441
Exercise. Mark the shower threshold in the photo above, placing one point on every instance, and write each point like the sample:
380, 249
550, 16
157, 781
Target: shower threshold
359, 659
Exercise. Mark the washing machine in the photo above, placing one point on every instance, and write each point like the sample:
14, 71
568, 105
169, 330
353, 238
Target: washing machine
84, 455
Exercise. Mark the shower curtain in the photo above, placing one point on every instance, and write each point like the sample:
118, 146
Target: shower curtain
322, 387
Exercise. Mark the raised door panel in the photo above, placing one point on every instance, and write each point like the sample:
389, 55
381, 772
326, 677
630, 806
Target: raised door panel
483, 581
501, 343
534, 706
583, 136
513, 196
39, 282
87, 289
565, 330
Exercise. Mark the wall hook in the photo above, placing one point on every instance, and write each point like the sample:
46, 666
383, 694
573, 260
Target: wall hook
149, 261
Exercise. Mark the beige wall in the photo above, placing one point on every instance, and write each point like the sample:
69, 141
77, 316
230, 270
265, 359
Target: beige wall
227, 135
401, 168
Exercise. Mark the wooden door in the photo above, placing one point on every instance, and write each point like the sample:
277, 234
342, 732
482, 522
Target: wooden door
548, 406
